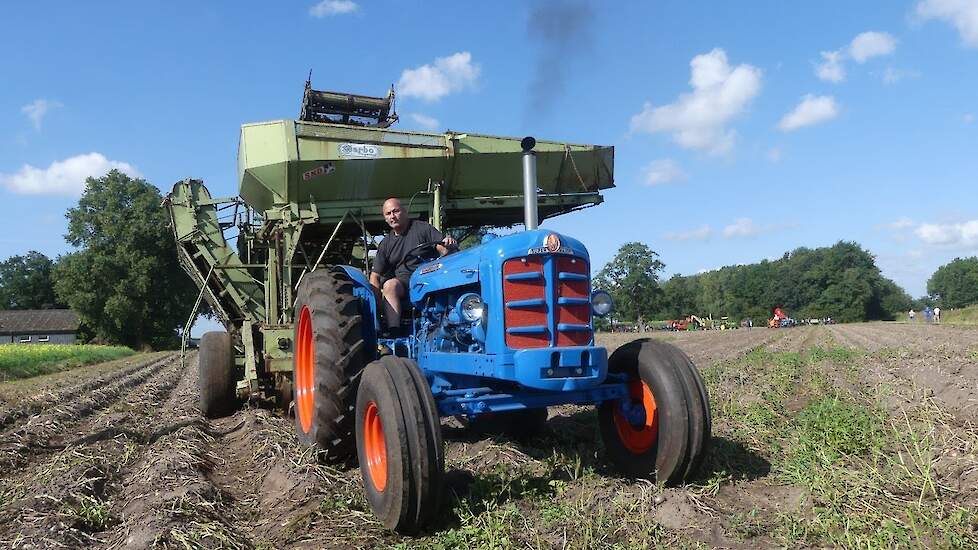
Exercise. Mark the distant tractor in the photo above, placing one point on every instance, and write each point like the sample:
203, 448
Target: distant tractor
503, 329
780, 319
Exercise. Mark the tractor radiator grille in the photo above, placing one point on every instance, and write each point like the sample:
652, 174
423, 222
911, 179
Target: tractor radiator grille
546, 302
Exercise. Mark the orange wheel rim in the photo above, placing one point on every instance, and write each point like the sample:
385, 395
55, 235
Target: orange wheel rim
305, 379
375, 447
641, 438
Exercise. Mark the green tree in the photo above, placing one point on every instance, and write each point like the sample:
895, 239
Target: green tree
918, 304
632, 279
955, 284
678, 297
25, 282
894, 301
840, 281
124, 280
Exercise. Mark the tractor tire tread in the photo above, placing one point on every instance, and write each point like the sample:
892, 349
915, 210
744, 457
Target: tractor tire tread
215, 382
338, 363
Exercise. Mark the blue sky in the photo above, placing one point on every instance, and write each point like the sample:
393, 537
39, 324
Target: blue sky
742, 130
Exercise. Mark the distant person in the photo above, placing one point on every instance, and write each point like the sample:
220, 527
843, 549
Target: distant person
912, 315
937, 314
927, 314
750, 324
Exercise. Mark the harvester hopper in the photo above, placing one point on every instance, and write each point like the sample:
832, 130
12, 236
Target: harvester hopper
456, 179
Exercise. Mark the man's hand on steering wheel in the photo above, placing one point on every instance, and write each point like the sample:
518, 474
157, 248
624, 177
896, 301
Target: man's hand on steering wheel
420, 254
428, 251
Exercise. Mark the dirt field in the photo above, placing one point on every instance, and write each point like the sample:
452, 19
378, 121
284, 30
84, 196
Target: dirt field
849, 435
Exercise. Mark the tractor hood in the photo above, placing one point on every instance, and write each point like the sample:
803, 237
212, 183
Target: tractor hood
484, 262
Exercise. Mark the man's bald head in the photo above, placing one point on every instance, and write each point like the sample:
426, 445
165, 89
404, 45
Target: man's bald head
392, 202
392, 214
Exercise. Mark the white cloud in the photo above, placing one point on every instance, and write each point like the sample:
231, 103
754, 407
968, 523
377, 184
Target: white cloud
832, 68
951, 234
37, 109
892, 75
774, 154
698, 120
446, 75
425, 121
63, 177
812, 110
662, 171
741, 227
699, 234
963, 14
900, 224
871, 44
863, 47
328, 8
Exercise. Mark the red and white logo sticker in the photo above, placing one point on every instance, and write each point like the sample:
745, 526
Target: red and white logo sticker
318, 171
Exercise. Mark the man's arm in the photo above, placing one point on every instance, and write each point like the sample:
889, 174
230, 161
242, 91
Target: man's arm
379, 267
447, 243
375, 279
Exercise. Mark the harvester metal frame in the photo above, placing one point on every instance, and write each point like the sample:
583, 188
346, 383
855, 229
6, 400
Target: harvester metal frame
232, 291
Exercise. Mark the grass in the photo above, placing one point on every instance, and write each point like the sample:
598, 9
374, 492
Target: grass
868, 473
90, 513
23, 360
524, 510
961, 316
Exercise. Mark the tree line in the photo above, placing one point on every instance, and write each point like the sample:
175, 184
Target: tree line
840, 281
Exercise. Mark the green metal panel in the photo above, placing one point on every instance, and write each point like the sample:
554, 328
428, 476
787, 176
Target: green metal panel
204, 253
287, 162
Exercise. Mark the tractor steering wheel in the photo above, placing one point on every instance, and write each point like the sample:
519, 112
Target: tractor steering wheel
424, 252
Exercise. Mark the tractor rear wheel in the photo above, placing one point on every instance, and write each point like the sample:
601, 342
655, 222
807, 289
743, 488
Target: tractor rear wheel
399, 443
664, 428
327, 363
215, 381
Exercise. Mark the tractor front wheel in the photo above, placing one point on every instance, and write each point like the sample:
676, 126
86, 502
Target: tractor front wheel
215, 380
399, 443
663, 428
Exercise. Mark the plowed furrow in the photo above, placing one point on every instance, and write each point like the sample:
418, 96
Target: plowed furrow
35, 434
61, 499
739, 342
8, 415
850, 338
798, 339
165, 497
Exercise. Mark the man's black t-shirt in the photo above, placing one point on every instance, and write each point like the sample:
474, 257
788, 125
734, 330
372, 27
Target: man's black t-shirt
392, 249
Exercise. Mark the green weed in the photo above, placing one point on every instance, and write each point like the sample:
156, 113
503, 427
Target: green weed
89, 513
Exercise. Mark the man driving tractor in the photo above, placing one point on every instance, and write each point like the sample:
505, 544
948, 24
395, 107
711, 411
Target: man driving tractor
392, 268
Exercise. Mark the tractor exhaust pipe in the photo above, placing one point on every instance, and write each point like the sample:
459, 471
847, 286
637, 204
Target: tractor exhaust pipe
529, 183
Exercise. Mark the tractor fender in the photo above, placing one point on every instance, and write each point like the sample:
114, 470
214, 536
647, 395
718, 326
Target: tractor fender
368, 305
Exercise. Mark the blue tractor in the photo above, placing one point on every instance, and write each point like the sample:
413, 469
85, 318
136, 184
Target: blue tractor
502, 330
496, 333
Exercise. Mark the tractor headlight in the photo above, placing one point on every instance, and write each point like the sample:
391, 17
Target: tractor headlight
601, 303
470, 307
